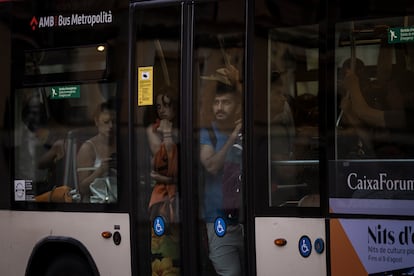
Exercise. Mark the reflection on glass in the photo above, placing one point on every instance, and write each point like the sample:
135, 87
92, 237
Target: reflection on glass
51, 124
293, 118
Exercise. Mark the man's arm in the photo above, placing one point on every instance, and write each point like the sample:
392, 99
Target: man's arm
359, 106
213, 161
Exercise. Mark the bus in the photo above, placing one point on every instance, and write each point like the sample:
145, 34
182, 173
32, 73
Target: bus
109, 108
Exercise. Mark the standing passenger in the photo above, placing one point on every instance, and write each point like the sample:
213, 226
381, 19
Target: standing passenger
225, 252
162, 137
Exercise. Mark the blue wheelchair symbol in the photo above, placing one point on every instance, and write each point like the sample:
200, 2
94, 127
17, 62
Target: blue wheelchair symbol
305, 246
159, 226
220, 227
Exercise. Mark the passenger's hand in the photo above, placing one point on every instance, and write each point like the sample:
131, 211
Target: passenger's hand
165, 126
159, 178
351, 81
239, 124
237, 129
232, 73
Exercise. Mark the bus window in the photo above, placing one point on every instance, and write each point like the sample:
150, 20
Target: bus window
374, 124
293, 117
64, 134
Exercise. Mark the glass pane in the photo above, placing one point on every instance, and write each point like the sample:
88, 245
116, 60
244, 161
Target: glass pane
78, 59
158, 60
65, 143
219, 57
293, 116
374, 126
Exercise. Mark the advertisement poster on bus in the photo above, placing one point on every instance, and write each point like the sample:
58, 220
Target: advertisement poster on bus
364, 187
372, 247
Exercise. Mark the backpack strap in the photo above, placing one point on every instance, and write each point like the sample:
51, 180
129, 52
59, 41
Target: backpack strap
212, 135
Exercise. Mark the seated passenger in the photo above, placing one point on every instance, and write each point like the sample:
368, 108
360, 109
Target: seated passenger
96, 155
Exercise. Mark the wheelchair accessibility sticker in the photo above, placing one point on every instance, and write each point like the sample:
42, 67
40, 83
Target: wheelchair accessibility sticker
159, 226
305, 246
220, 227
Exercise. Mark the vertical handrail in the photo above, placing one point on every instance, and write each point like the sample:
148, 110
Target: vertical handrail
163, 63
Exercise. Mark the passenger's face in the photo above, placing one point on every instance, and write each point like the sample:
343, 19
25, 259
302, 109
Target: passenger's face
105, 123
164, 108
224, 107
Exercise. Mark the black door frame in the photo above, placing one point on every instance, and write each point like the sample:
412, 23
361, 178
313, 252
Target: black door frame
186, 157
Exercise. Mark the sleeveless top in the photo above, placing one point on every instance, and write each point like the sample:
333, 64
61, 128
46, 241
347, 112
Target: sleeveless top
98, 159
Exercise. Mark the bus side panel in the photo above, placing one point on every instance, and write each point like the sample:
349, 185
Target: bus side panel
372, 247
287, 260
22, 230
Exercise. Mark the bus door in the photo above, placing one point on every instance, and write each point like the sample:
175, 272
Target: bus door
188, 89
290, 236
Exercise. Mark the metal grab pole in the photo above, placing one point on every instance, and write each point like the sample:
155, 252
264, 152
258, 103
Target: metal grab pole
163, 63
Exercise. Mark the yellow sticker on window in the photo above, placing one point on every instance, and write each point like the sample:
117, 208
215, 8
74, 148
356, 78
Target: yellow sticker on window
145, 85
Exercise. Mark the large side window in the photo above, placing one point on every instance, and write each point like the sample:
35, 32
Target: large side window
293, 116
287, 102
65, 133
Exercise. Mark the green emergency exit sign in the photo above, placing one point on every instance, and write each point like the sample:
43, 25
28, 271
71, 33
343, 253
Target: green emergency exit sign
65, 92
400, 35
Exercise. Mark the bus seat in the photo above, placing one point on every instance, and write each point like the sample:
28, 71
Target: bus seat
75, 138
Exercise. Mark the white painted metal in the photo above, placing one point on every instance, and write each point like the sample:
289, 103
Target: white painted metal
20, 231
272, 260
